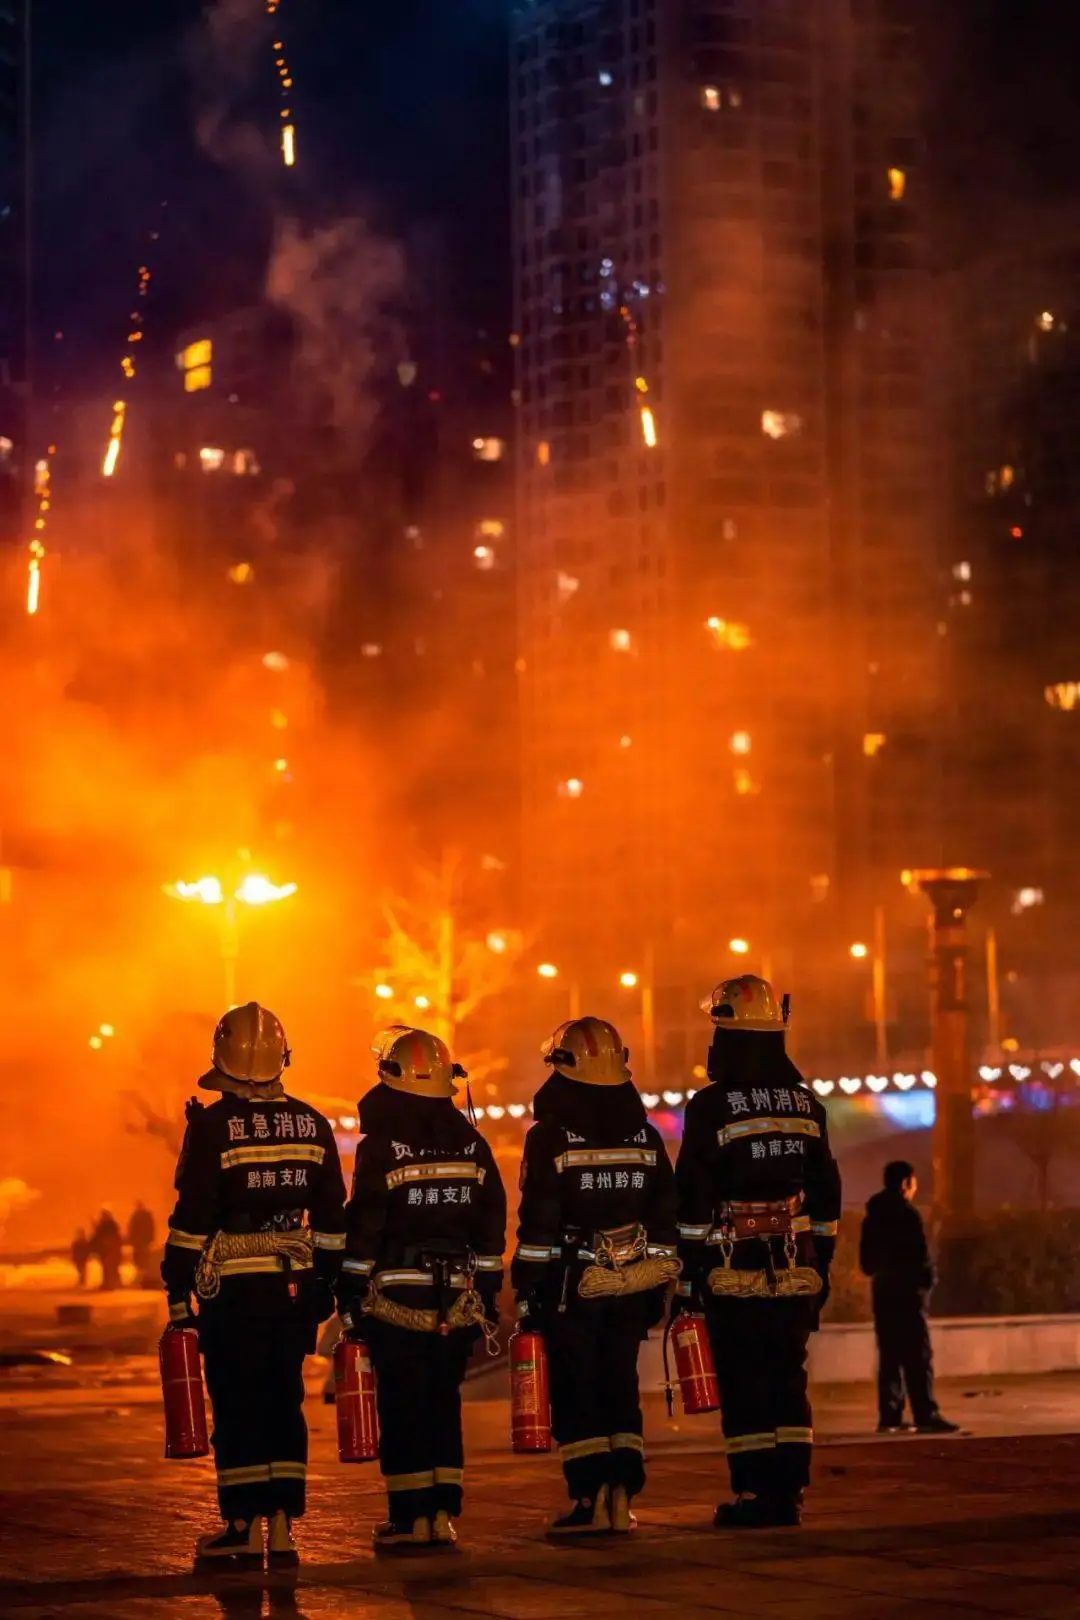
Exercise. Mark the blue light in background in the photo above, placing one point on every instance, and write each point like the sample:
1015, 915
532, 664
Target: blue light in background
911, 1111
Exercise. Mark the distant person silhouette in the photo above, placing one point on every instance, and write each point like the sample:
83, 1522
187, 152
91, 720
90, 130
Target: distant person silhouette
140, 1234
80, 1255
106, 1244
893, 1253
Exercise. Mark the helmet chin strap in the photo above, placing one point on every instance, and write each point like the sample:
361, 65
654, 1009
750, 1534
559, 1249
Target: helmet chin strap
250, 1090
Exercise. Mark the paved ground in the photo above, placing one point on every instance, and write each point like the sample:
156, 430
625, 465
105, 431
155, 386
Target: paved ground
94, 1524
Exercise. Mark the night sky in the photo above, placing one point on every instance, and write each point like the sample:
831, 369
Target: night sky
401, 115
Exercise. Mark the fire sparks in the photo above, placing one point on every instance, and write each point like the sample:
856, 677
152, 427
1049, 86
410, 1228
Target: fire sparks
42, 494
285, 84
128, 365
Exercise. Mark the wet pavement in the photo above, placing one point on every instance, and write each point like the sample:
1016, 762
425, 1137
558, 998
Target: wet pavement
95, 1524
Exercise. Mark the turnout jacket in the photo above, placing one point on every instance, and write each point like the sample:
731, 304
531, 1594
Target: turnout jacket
426, 1187
592, 1163
250, 1166
757, 1134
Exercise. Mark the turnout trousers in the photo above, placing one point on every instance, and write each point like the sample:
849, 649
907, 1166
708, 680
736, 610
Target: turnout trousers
418, 1378
905, 1359
759, 1347
595, 1405
255, 1380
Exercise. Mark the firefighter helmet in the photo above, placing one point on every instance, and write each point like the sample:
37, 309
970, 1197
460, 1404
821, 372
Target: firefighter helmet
414, 1061
747, 1002
590, 1050
250, 1045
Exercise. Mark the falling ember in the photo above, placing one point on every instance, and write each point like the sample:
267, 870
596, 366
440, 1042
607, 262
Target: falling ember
288, 145
648, 427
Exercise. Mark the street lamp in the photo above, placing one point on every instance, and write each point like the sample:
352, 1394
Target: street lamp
859, 951
548, 970
878, 1007
630, 981
739, 947
254, 890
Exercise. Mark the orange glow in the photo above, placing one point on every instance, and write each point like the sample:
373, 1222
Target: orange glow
628, 980
288, 145
496, 943
648, 427
739, 947
384, 992
897, 184
112, 456
543, 453
548, 970
740, 742
257, 890
859, 951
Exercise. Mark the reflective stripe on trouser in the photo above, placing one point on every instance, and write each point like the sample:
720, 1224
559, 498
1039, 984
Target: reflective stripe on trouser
254, 1377
595, 1406
418, 1379
759, 1347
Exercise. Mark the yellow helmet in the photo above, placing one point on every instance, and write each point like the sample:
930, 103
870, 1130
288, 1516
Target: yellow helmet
250, 1045
590, 1050
747, 1002
414, 1061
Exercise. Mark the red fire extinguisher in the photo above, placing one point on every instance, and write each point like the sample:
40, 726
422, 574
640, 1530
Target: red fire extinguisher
530, 1393
182, 1393
357, 1414
694, 1369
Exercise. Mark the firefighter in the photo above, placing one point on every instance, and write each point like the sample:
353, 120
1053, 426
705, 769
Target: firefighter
759, 1199
426, 1225
595, 1255
257, 1236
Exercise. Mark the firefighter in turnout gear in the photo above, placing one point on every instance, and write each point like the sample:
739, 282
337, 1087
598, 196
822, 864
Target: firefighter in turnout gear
257, 1237
595, 1255
423, 1266
759, 1200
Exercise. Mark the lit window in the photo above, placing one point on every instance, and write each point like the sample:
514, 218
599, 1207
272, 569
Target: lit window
744, 782
710, 97
897, 184
370, 649
739, 742
407, 371
819, 887
726, 634
484, 558
566, 586
991, 483
245, 463
1045, 321
961, 570
275, 660
1024, 899
198, 378
281, 766
241, 573
1006, 478
625, 742
199, 353
620, 640
729, 529
491, 528
873, 742
572, 788
489, 449
780, 424
1065, 695
964, 599
6, 447
211, 460
543, 453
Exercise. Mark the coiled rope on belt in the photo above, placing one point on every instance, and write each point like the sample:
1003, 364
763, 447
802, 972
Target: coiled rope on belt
598, 1282
466, 1311
296, 1247
784, 1284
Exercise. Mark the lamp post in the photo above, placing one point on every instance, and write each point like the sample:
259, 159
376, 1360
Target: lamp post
253, 890
548, 970
951, 891
631, 981
878, 1005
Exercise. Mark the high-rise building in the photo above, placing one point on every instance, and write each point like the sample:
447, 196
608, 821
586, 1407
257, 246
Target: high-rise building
1014, 618
13, 271
727, 496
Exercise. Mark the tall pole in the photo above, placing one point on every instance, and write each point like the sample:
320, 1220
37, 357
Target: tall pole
881, 1033
993, 992
230, 950
648, 1016
951, 892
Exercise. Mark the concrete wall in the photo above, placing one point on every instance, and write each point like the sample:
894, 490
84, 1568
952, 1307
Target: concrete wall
964, 1347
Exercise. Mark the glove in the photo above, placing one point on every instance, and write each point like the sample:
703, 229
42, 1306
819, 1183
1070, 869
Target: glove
181, 1314
529, 1314
488, 1289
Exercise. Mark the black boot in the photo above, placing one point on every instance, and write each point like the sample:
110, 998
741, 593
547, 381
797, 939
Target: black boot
588, 1517
402, 1535
757, 1513
281, 1548
240, 1542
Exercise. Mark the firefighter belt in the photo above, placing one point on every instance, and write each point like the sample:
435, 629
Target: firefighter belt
726, 1281
288, 1248
624, 1266
466, 1311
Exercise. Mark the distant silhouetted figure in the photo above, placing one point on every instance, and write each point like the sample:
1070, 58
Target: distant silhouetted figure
893, 1253
80, 1255
140, 1234
106, 1244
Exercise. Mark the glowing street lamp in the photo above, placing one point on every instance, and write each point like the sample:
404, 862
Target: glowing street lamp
548, 970
384, 992
254, 890
628, 980
859, 951
739, 947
